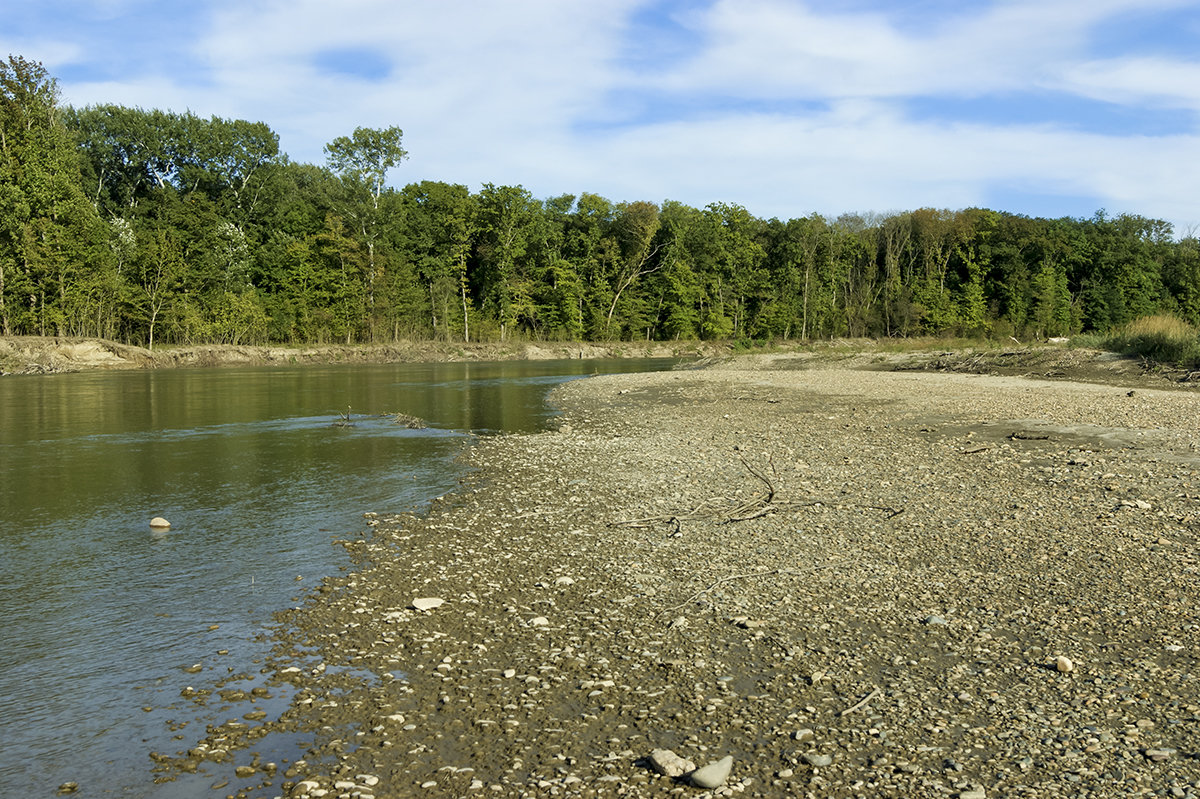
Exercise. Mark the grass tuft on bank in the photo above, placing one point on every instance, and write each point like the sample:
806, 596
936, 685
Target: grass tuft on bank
1161, 338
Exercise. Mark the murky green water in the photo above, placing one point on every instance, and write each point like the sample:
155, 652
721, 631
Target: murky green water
101, 614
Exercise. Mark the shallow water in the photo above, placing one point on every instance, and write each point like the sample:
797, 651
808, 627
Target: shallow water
102, 614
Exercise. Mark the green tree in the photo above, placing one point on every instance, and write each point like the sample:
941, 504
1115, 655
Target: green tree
50, 236
363, 161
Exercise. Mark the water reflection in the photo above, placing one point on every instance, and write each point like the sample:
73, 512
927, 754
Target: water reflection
102, 614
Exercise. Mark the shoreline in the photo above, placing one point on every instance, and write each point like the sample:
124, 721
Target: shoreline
851, 582
31, 355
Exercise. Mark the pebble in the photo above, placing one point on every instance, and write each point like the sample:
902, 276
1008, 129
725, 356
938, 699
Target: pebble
714, 774
1064, 664
1023, 733
669, 764
427, 604
539, 621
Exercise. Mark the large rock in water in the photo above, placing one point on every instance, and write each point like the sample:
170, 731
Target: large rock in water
714, 774
159, 523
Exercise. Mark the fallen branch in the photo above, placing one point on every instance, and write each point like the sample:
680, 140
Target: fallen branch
861, 703
756, 508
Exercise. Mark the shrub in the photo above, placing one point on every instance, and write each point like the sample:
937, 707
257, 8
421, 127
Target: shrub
1163, 338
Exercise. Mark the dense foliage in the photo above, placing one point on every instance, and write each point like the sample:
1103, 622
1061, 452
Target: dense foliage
150, 226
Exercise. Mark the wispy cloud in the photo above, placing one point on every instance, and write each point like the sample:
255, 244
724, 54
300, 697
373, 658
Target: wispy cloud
785, 106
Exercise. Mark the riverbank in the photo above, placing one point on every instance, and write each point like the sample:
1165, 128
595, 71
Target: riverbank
52, 355
853, 583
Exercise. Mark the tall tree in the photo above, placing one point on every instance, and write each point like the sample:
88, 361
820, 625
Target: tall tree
49, 233
363, 160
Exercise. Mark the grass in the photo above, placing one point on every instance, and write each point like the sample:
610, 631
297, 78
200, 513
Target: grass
1161, 338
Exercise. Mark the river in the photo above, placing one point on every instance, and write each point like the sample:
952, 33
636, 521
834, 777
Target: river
258, 472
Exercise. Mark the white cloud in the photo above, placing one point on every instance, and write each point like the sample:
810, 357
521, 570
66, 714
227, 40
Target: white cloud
545, 93
1139, 81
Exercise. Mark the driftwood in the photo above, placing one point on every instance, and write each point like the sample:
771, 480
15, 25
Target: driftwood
860, 704
760, 506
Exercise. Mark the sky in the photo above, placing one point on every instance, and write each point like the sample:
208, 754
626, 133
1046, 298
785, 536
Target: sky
787, 107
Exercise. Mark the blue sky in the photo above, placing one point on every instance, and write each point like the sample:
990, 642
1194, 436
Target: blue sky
788, 107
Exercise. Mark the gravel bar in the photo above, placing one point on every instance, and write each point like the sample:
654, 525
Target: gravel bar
852, 583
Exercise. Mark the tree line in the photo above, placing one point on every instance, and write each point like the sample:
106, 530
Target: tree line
148, 226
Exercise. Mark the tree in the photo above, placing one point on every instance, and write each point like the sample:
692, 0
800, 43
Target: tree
49, 233
363, 161
636, 225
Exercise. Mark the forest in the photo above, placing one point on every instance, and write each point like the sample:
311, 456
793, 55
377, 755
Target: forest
154, 227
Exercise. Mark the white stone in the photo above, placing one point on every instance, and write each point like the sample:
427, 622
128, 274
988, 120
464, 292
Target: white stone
1064, 664
159, 523
540, 621
714, 774
427, 603
564, 581
669, 764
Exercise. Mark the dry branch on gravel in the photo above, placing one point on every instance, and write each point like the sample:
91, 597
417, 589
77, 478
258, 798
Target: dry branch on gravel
756, 508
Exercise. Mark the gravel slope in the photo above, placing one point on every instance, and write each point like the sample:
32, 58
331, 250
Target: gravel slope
854, 583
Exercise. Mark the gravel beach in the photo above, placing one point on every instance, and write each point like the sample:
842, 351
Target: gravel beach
851, 583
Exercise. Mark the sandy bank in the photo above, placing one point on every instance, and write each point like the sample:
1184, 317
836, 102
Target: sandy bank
876, 573
50, 355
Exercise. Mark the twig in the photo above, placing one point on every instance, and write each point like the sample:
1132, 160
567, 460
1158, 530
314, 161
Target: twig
732, 577
861, 703
770, 486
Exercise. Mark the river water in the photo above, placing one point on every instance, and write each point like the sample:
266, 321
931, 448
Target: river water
102, 615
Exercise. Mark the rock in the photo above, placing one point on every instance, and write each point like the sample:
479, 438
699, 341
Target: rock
785, 773
427, 604
714, 774
803, 734
159, 523
564, 581
1064, 664
935, 621
510, 673
539, 621
669, 764
817, 760
244, 771
68, 787
1159, 755
973, 793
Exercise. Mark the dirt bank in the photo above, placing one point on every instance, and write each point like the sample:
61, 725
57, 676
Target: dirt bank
853, 583
48, 355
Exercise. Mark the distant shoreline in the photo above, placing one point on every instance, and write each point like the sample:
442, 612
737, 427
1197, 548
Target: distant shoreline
25, 355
